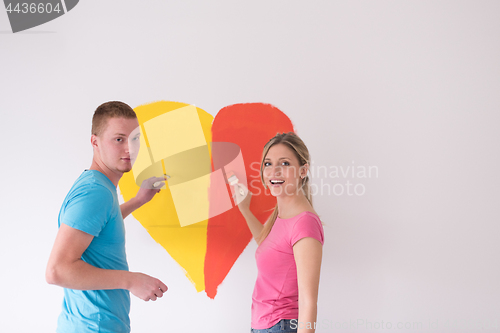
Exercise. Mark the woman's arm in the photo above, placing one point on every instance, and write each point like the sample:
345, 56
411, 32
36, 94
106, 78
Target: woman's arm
308, 253
243, 201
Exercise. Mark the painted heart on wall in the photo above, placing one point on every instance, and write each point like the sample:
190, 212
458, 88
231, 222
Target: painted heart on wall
194, 218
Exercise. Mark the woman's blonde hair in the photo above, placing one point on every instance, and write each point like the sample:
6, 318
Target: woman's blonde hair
291, 140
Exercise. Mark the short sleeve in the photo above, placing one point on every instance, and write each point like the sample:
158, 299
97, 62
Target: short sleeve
307, 226
88, 209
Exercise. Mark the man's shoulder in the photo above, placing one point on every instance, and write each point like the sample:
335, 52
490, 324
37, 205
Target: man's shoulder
94, 177
90, 203
93, 180
93, 186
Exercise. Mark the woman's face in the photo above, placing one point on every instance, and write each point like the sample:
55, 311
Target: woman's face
281, 171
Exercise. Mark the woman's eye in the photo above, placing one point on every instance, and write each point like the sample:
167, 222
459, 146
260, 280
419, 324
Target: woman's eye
267, 164
285, 163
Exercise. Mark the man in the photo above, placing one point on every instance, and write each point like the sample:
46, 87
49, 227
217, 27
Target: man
88, 257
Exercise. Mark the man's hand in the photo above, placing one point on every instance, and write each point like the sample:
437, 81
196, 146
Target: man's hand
149, 188
146, 287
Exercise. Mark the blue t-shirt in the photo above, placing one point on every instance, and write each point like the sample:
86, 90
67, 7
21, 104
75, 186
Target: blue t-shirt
92, 206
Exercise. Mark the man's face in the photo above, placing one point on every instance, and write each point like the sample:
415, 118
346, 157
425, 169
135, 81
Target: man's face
134, 143
113, 144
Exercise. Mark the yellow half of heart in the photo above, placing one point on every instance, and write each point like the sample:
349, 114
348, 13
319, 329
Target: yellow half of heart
165, 221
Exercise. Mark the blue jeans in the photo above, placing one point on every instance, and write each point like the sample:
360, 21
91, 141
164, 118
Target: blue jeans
283, 326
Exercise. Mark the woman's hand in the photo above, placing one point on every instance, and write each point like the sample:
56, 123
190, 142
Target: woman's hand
242, 197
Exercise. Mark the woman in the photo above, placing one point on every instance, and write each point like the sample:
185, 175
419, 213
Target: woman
290, 243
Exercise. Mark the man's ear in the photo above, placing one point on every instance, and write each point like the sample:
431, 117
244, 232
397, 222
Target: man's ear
93, 141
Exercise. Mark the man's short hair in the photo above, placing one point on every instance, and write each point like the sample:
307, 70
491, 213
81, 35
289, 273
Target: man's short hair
108, 110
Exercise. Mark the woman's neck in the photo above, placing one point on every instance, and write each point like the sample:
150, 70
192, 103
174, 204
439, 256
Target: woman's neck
290, 206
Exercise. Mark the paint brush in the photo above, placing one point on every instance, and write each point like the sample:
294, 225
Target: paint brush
165, 176
233, 180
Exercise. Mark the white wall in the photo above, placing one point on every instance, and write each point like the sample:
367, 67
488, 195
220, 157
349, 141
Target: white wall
411, 87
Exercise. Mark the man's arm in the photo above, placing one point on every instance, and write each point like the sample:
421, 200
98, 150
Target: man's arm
128, 207
144, 195
66, 269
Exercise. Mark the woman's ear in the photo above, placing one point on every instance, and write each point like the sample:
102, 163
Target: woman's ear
303, 170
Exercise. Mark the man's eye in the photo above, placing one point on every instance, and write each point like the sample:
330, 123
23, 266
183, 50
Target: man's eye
119, 139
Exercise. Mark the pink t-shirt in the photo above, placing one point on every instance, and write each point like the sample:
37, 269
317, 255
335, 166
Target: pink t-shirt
276, 292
